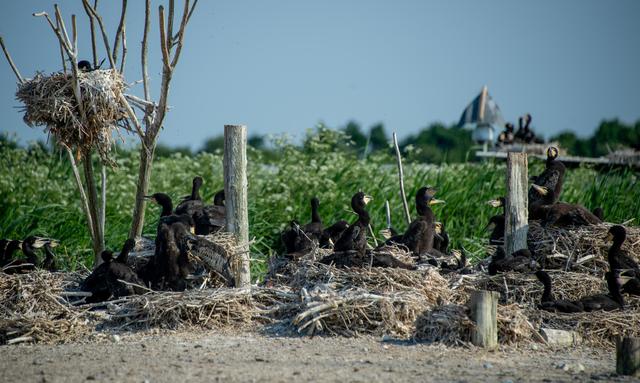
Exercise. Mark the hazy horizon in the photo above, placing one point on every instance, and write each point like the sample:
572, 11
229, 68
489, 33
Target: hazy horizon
282, 67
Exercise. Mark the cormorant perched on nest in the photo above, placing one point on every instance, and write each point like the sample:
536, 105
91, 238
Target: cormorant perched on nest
164, 201
29, 246
551, 178
620, 261
49, 262
351, 248
84, 66
606, 302
519, 135
560, 213
298, 239
528, 135
108, 279
520, 261
355, 237
419, 236
10, 249
193, 203
496, 222
331, 234
211, 218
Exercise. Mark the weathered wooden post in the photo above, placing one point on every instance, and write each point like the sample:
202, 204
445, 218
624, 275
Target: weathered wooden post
516, 212
484, 311
628, 356
235, 191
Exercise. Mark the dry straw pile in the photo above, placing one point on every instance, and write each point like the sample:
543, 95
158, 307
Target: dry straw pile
50, 101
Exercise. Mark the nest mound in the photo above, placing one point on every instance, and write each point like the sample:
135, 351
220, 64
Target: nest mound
50, 101
35, 308
450, 324
583, 249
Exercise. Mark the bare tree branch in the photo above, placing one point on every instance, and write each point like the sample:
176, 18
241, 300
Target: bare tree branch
62, 28
124, 49
83, 195
163, 39
64, 60
119, 31
145, 46
183, 25
11, 64
105, 38
74, 33
193, 7
170, 24
93, 31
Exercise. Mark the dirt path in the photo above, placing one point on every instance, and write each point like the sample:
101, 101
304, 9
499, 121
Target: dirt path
258, 358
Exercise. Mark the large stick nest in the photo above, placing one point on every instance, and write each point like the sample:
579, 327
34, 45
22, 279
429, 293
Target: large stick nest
50, 101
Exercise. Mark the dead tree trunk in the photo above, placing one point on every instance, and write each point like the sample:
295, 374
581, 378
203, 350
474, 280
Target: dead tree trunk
236, 201
516, 212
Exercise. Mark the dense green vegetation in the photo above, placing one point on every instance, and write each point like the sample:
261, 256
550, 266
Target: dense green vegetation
38, 195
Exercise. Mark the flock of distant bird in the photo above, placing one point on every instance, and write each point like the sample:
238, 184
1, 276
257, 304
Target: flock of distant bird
524, 135
181, 235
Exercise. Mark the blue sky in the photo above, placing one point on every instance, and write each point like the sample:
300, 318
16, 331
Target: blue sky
283, 66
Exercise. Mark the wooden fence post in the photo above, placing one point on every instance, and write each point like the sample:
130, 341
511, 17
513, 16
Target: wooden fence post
235, 191
516, 212
484, 312
484, 307
628, 356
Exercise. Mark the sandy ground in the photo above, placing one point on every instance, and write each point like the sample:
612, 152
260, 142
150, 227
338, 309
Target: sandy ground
248, 357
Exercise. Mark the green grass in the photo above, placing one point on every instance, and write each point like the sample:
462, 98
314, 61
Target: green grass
38, 195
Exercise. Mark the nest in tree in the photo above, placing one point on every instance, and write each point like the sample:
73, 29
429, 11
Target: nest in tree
50, 101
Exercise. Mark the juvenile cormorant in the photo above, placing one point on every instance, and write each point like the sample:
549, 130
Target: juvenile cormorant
551, 178
49, 262
354, 237
560, 213
496, 223
331, 234
164, 201
123, 257
193, 203
419, 237
211, 218
548, 303
520, 261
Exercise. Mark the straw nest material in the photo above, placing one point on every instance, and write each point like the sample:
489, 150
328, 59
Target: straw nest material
50, 101
525, 289
582, 249
450, 324
34, 308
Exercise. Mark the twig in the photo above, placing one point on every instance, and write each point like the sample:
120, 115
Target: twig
119, 31
145, 46
401, 179
64, 61
163, 40
83, 196
105, 38
93, 31
388, 212
8, 56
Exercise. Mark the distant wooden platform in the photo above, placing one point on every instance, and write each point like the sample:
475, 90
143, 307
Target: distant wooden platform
571, 161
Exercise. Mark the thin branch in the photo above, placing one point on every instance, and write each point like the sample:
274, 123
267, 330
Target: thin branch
64, 61
62, 28
74, 32
93, 31
133, 118
401, 179
105, 38
124, 49
183, 25
145, 45
119, 31
83, 195
64, 43
103, 200
193, 7
163, 39
170, 24
8, 56
138, 100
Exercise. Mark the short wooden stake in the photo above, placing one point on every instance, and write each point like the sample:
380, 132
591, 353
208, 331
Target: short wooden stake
235, 191
628, 356
484, 305
516, 211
